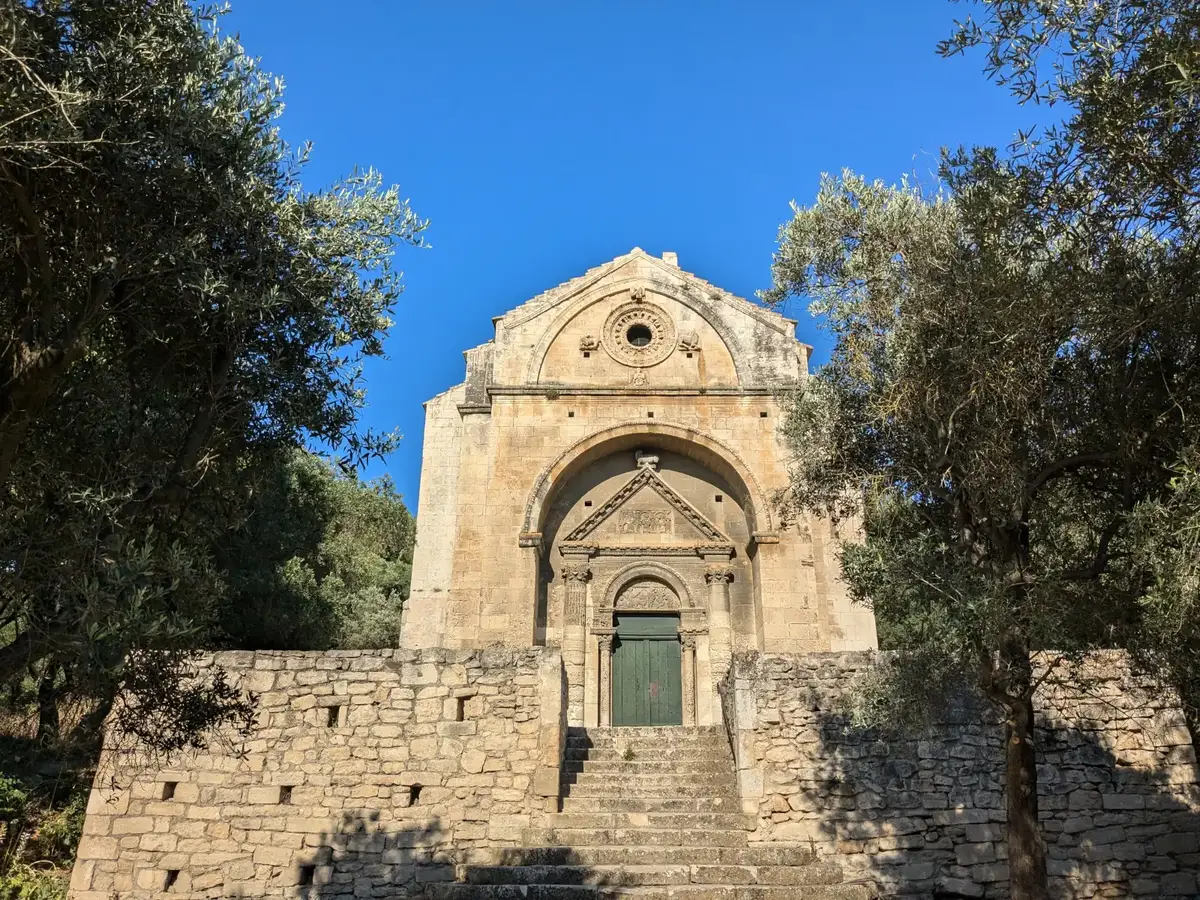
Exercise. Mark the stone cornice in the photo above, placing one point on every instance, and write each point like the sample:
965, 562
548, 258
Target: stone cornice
579, 547
541, 390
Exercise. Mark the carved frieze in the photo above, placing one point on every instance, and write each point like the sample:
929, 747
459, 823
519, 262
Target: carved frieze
645, 521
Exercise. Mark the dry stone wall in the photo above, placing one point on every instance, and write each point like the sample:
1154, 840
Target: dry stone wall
923, 814
368, 774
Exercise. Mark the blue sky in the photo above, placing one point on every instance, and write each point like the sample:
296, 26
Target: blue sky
544, 138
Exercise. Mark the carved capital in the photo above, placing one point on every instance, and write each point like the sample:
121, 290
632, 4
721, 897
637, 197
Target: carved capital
605, 642
718, 573
575, 572
688, 640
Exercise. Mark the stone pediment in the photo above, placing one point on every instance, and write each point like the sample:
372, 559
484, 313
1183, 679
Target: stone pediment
647, 513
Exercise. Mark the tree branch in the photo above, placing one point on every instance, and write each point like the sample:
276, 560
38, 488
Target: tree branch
1054, 470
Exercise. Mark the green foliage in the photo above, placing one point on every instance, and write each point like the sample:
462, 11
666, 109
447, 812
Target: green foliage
35, 882
323, 561
43, 821
1014, 375
1167, 545
178, 312
13, 797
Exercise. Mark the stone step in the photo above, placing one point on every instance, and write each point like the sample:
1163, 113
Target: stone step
676, 804
637, 876
623, 767
625, 788
721, 781
728, 820
448, 891
794, 855
648, 754
670, 736
637, 837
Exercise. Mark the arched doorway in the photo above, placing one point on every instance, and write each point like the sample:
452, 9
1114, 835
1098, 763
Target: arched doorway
647, 658
642, 553
647, 670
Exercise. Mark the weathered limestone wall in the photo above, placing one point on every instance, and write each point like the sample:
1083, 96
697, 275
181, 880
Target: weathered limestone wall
1118, 792
368, 773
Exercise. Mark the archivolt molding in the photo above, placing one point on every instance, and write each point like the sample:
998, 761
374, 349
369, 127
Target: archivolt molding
602, 292
758, 510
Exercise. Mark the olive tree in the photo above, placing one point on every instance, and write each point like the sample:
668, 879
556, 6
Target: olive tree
176, 309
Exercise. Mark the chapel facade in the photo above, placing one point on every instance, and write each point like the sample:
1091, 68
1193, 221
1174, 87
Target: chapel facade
604, 482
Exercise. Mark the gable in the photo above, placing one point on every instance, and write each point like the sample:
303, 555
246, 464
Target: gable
559, 338
591, 347
646, 510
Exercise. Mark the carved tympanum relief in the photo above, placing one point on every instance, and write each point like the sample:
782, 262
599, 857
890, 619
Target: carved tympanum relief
649, 595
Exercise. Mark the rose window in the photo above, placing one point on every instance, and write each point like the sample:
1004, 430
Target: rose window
639, 334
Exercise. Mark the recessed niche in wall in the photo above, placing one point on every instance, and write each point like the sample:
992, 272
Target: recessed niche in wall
719, 498
587, 502
649, 415
570, 414
285, 794
168, 790
689, 356
763, 414
333, 715
170, 878
587, 354
307, 874
414, 794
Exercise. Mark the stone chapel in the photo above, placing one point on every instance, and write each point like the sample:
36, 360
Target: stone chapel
603, 482
598, 545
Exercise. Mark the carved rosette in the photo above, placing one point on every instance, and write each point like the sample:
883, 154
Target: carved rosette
630, 315
718, 573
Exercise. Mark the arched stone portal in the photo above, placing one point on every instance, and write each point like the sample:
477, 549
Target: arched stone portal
645, 532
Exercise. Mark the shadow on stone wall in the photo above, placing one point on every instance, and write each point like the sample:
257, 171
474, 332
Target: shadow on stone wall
923, 815
360, 858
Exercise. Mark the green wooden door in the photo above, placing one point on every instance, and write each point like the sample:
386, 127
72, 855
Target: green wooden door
646, 682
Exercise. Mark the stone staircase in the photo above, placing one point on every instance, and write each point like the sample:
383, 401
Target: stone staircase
650, 814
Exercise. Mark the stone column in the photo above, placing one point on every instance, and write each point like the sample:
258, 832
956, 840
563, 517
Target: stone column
688, 640
604, 640
720, 635
576, 575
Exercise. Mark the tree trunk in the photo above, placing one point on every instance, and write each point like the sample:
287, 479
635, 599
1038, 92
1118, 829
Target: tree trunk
1026, 846
47, 703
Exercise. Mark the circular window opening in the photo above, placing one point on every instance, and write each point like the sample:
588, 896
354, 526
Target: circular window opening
639, 335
